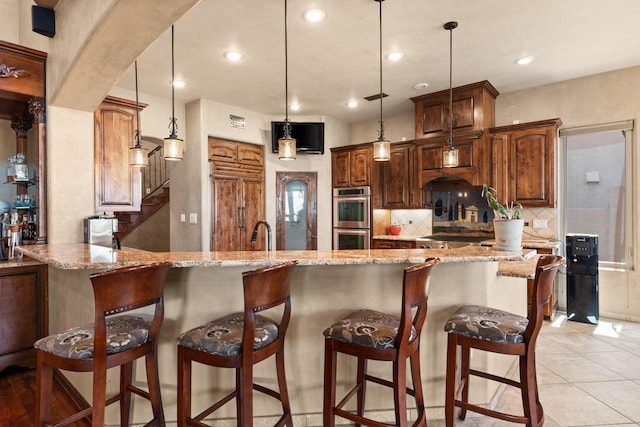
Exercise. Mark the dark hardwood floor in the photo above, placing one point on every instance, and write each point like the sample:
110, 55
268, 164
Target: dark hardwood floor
18, 399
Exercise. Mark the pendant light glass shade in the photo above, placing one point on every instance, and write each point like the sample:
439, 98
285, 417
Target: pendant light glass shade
450, 155
173, 147
138, 156
381, 147
286, 144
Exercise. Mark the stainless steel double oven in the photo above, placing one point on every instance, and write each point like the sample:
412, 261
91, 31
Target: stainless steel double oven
351, 218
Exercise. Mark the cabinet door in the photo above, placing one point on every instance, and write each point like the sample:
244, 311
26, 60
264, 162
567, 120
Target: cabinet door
340, 168
252, 211
118, 186
382, 244
531, 170
499, 161
396, 177
360, 167
23, 313
227, 213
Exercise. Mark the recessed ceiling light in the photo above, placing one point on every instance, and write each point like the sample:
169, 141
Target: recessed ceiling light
394, 56
179, 83
314, 15
421, 86
525, 60
294, 106
352, 104
233, 55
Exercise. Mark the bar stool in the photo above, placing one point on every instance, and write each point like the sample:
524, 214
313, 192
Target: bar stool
498, 331
368, 334
114, 339
239, 341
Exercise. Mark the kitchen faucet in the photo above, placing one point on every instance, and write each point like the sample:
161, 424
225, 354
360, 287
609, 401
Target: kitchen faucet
254, 236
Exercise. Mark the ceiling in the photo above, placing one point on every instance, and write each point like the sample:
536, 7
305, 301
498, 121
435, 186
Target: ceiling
336, 60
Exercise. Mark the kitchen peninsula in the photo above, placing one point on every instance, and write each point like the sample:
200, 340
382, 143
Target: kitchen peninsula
325, 286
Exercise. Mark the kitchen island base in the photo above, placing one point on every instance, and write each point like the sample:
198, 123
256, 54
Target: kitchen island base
320, 294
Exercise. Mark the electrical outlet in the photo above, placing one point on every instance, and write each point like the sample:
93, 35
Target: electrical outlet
540, 223
526, 223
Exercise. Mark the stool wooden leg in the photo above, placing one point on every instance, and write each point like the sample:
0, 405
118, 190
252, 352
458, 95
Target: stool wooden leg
282, 386
184, 387
529, 390
99, 393
245, 394
362, 391
153, 383
465, 352
44, 387
400, 391
126, 373
416, 379
329, 400
451, 376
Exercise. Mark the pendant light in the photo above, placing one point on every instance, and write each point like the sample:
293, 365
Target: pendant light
286, 144
450, 155
173, 147
138, 156
381, 147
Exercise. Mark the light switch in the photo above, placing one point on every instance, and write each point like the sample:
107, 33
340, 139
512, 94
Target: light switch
183, 217
193, 218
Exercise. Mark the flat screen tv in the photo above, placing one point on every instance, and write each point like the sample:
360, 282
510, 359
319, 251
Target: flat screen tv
309, 136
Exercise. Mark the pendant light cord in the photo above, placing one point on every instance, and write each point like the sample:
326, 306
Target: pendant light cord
137, 108
173, 112
381, 132
287, 126
451, 27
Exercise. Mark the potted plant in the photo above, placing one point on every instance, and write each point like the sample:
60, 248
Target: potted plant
507, 225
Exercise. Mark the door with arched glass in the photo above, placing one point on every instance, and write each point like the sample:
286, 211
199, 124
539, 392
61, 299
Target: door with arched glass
296, 212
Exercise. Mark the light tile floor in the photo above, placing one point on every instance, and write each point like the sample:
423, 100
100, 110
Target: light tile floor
588, 375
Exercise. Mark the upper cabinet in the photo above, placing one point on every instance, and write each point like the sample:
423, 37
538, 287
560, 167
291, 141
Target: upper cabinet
522, 157
398, 178
351, 165
472, 165
118, 186
473, 110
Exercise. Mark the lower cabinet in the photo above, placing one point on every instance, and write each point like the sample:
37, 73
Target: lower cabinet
23, 313
392, 244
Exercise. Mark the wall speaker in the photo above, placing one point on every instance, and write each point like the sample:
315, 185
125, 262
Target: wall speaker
43, 21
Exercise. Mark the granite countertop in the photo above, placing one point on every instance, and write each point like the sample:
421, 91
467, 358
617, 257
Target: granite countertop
69, 256
19, 262
532, 244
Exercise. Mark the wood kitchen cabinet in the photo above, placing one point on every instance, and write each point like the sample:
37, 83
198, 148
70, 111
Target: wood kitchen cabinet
522, 159
118, 186
23, 313
472, 159
473, 110
238, 199
399, 186
392, 244
351, 165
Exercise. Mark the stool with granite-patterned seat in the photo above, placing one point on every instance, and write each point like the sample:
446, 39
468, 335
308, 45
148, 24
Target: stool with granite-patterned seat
498, 331
372, 335
239, 341
114, 339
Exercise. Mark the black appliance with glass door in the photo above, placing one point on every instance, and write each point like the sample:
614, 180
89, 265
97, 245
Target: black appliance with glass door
582, 278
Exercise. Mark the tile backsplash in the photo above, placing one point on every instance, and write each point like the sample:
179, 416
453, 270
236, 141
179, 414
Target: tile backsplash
414, 222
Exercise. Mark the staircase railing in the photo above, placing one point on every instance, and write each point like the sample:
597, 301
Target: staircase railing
157, 173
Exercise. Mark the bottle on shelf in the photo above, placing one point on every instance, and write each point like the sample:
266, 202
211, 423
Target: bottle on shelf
11, 170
